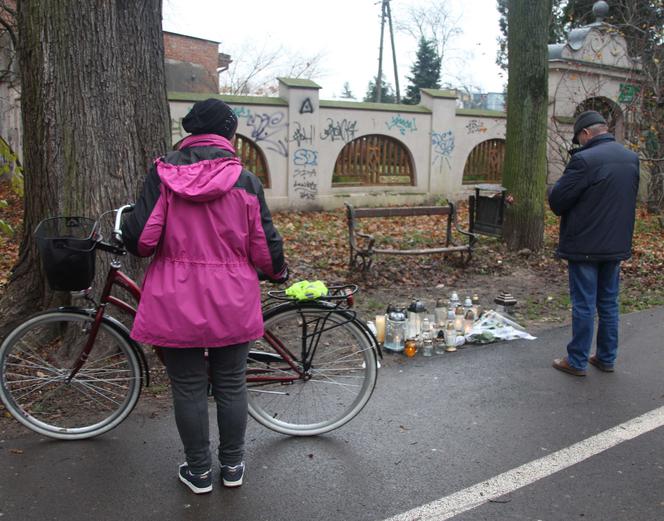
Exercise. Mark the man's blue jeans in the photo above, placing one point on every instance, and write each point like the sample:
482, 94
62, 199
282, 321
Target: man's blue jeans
593, 286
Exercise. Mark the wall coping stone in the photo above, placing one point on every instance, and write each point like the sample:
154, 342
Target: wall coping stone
365, 105
437, 93
299, 83
481, 113
239, 100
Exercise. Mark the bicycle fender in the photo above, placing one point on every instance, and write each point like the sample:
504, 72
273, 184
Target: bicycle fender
325, 305
123, 330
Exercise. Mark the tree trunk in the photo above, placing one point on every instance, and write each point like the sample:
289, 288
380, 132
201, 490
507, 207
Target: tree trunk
95, 113
527, 101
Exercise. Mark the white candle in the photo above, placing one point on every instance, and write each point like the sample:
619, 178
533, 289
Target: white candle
380, 328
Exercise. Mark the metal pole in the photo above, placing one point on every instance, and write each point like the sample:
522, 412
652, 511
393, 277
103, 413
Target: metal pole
394, 51
379, 78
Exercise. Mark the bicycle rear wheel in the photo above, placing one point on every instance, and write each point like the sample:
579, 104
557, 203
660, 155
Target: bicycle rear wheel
35, 361
325, 391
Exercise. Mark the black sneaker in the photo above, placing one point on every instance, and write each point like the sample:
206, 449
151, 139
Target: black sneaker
198, 483
232, 476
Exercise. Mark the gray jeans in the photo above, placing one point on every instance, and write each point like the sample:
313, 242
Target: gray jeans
188, 372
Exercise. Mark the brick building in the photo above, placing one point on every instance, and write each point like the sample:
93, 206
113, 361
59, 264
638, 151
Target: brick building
193, 64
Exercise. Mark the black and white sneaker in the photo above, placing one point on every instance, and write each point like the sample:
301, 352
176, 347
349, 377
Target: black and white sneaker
198, 483
232, 476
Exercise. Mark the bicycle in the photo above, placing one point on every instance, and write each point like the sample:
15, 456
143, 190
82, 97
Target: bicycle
74, 372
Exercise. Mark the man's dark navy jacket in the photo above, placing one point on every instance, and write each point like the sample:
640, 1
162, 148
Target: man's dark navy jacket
596, 198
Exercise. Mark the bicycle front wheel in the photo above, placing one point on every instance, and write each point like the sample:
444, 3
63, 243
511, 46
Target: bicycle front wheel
312, 372
35, 364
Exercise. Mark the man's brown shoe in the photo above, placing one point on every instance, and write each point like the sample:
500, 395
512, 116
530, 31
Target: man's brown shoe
562, 364
607, 368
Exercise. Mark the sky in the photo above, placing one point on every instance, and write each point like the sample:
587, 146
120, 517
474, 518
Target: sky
346, 33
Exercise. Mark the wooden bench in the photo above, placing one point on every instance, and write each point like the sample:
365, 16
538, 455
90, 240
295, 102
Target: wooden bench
362, 245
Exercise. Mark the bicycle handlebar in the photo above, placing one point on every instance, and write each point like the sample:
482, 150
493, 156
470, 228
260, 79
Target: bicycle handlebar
115, 245
117, 231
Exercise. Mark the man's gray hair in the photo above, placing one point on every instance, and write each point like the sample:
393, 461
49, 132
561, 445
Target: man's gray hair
597, 128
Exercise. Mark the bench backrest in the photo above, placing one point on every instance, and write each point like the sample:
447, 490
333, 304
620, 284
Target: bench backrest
399, 212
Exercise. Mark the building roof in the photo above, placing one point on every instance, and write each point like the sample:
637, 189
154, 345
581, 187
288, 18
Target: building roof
192, 37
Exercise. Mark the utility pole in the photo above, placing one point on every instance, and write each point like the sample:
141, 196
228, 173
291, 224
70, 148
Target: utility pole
386, 14
394, 50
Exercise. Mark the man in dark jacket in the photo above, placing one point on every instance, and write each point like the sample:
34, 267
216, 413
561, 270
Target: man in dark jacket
596, 200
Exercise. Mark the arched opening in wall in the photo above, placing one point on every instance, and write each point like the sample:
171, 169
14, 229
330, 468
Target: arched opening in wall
611, 112
374, 160
252, 158
485, 163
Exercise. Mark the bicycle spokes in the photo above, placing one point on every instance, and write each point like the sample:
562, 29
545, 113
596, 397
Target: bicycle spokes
329, 381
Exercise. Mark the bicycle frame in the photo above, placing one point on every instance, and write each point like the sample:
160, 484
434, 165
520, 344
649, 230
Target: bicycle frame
118, 278
115, 277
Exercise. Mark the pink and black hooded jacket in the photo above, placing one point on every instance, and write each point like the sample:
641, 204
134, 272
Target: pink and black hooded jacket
205, 220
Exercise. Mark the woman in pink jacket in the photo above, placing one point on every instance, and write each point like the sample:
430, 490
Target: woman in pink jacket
205, 220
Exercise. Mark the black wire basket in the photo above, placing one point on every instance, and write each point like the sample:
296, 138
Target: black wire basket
67, 248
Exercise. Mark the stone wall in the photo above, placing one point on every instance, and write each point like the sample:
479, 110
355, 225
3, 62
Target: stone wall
302, 136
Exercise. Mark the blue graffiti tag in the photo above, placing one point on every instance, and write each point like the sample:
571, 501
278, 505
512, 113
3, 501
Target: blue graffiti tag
264, 127
443, 145
242, 112
305, 157
402, 124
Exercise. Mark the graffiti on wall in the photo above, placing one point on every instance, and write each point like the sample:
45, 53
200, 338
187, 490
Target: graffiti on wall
303, 134
307, 107
475, 126
265, 129
305, 177
402, 124
443, 146
242, 112
305, 184
343, 130
305, 157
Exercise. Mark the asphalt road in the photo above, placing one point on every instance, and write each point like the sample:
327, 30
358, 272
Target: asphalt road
433, 427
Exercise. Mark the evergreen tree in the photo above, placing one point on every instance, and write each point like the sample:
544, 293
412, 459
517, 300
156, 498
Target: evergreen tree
425, 72
346, 93
387, 94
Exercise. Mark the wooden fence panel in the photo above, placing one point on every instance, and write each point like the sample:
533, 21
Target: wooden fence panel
252, 158
373, 160
485, 163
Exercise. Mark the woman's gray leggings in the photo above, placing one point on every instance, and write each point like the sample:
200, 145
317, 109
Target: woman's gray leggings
189, 381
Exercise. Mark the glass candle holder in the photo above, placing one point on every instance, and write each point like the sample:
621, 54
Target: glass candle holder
380, 328
395, 331
410, 348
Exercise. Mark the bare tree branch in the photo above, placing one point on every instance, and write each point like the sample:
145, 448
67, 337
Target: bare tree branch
432, 21
254, 70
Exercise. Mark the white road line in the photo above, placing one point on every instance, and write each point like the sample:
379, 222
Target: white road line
476, 495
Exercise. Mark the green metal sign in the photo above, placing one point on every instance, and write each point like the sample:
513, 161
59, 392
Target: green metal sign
628, 92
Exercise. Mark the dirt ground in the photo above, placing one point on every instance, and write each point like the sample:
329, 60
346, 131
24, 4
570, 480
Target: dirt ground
531, 292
